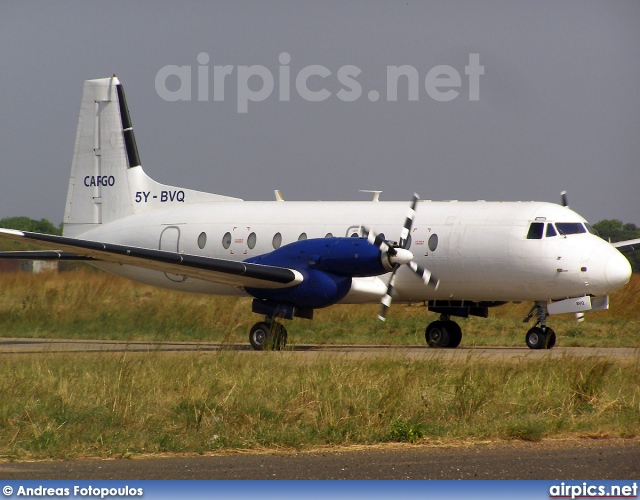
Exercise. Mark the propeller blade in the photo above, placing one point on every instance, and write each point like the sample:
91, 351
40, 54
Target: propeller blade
425, 275
378, 241
408, 223
385, 303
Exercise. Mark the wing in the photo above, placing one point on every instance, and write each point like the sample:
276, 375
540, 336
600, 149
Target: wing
43, 255
627, 246
226, 272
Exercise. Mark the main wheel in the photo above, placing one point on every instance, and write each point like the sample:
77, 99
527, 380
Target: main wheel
278, 336
259, 335
536, 338
437, 334
264, 336
455, 334
551, 338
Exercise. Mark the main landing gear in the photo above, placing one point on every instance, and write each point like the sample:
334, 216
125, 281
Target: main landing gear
268, 335
540, 336
443, 333
447, 333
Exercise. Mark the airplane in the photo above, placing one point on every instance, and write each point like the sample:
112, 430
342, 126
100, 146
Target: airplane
293, 257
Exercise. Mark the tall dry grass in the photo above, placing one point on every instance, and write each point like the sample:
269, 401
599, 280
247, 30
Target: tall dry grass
115, 405
90, 304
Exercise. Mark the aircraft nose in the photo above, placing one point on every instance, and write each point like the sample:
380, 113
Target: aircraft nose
618, 270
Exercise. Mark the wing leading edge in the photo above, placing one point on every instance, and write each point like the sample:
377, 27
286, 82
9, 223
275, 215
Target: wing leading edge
628, 246
226, 272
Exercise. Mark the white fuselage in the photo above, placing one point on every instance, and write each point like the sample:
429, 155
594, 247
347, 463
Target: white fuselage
482, 251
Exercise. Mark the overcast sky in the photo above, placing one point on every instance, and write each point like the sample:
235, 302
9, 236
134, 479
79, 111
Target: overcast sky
558, 105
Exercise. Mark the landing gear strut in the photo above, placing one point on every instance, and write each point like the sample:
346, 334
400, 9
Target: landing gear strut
540, 337
269, 335
443, 333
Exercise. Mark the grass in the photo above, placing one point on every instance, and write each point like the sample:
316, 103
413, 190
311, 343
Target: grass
119, 405
90, 304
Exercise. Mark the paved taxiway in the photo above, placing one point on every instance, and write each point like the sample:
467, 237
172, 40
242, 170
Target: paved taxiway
553, 459
620, 354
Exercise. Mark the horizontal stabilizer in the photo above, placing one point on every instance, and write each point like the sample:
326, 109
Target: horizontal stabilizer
226, 272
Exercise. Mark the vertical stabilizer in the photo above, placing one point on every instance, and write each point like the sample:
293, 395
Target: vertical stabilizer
98, 188
107, 181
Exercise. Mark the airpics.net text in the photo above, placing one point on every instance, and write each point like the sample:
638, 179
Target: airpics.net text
256, 83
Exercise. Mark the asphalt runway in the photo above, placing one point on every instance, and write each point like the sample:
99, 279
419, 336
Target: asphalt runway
24, 346
551, 460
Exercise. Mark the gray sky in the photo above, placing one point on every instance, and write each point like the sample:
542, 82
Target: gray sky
558, 108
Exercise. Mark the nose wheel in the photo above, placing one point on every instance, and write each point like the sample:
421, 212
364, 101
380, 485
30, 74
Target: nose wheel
537, 338
540, 336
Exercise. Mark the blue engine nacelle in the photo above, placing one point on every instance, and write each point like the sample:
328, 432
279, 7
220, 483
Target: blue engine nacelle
327, 265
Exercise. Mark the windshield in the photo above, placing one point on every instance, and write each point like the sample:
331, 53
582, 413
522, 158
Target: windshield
591, 230
566, 228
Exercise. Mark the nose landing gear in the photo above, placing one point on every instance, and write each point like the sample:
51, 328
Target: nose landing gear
540, 337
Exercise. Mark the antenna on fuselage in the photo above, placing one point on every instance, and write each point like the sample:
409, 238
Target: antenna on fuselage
376, 194
563, 199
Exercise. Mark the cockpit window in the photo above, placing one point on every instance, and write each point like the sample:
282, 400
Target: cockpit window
566, 228
591, 230
551, 231
536, 229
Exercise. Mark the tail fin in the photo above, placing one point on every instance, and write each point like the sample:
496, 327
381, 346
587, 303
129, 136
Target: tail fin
107, 181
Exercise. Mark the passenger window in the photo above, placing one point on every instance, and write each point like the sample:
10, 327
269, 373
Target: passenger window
551, 231
328, 235
251, 241
202, 240
536, 230
433, 242
226, 240
302, 237
277, 240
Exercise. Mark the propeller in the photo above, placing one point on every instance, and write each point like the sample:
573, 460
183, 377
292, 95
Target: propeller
398, 255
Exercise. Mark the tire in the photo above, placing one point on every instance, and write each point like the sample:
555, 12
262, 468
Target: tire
278, 336
437, 335
268, 337
536, 338
455, 334
259, 336
551, 338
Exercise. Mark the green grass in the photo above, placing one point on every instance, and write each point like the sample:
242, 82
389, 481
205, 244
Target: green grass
119, 405
90, 304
